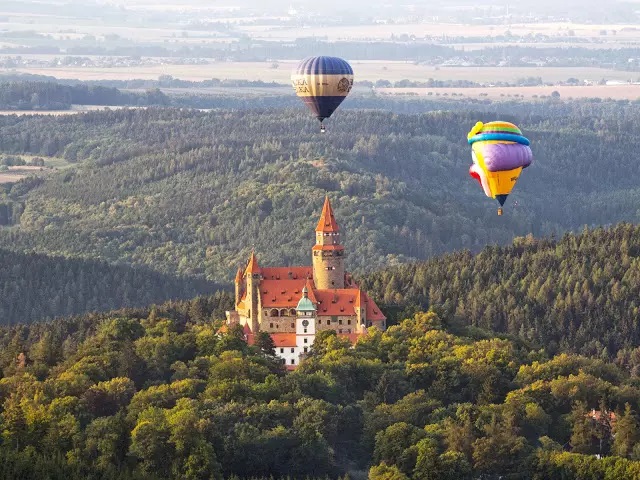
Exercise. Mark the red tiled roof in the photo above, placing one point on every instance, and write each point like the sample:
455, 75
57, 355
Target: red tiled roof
340, 301
352, 337
310, 289
223, 329
281, 293
373, 311
291, 368
287, 273
327, 222
284, 339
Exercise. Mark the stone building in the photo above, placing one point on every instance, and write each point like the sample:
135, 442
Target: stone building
293, 303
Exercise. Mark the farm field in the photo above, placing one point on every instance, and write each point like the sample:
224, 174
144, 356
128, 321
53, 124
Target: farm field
364, 70
16, 173
615, 92
623, 33
73, 110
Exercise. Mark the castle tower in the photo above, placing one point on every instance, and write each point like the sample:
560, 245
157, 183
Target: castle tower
239, 286
252, 276
328, 254
305, 324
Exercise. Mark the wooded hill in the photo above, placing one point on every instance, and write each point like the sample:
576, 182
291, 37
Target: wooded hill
37, 287
156, 393
580, 293
188, 193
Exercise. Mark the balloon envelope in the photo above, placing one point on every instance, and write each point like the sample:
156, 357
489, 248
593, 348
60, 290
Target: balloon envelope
322, 83
499, 152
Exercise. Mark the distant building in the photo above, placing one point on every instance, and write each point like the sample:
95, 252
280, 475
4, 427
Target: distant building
293, 303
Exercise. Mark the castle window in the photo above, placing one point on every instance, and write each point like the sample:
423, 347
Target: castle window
283, 313
271, 325
340, 322
292, 350
277, 325
292, 312
283, 361
305, 340
306, 349
282, 350
293, 362
348, 322
328, 322
275, 313
305, 330
293, 325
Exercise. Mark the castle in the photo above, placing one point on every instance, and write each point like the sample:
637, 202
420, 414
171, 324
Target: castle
293, 303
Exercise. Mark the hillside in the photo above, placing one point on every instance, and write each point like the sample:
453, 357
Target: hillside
189, 193
580, 293
155, 393
36, 287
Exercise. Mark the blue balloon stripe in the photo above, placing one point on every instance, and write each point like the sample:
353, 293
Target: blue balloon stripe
324, 65
507, 137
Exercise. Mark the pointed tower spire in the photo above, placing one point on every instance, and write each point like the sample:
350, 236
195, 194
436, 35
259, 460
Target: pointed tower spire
327, 222
239, 275
252, 266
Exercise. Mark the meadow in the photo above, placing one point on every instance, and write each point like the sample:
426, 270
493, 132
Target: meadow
364, 70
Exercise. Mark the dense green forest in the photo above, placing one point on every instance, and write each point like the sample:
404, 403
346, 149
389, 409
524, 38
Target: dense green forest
35, 287
189, 192
579, 294
156, 393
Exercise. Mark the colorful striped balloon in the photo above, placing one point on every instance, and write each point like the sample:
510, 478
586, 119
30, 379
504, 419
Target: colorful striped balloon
322, 83
499, 152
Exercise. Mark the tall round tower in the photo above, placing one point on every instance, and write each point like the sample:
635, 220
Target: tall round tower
328, 253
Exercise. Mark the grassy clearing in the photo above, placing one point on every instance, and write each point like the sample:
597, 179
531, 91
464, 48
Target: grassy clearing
364, 70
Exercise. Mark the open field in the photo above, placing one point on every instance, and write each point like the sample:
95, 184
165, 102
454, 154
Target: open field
616, 92
74, 109
364, 70
623, 33
16, 173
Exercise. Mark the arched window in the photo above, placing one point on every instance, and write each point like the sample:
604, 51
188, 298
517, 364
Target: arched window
292, 312
274, 312
283, 312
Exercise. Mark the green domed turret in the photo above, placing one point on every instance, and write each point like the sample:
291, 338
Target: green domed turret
305, 305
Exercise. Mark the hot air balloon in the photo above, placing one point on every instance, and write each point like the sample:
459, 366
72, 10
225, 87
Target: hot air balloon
322, 83
499, 152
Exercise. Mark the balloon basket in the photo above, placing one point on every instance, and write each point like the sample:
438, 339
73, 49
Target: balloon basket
500, 212
322, 129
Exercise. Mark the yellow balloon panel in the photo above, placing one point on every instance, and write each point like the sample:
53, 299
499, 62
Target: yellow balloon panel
501, 183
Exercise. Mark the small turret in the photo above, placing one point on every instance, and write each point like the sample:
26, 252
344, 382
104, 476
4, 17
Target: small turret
239, 284
252, 275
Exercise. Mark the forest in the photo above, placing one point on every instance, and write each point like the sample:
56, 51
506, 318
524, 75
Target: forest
398, 181
36, 287
157, 393
579, 293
